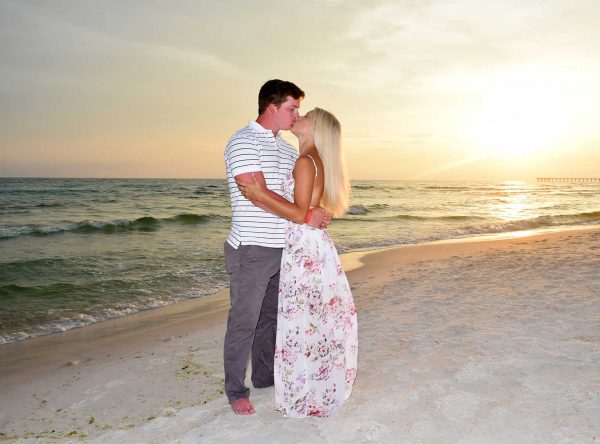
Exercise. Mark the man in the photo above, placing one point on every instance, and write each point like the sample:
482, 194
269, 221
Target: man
256, 240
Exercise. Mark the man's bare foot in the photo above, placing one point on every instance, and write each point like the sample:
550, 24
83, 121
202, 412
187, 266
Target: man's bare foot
242, 406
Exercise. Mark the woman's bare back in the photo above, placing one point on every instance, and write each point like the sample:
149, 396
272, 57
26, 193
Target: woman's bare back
319, 182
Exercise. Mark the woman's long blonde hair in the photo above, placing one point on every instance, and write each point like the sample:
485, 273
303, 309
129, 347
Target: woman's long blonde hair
328, 140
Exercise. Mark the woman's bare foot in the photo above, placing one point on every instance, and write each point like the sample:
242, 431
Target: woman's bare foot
243, 406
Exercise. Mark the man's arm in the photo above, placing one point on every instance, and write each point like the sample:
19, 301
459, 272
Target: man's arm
260, 178
280, 206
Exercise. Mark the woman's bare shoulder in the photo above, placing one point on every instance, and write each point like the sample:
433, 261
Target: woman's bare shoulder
305, 162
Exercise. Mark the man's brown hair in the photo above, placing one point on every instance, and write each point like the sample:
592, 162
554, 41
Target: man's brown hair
276, 92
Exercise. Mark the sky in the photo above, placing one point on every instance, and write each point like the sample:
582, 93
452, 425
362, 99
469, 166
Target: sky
425, 90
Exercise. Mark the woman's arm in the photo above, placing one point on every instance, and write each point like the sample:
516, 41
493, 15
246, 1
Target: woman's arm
256, 177
304, 176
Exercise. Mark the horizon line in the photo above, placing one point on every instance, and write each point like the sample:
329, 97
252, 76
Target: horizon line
531, 179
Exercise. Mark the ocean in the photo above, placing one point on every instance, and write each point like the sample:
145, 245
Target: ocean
78, 251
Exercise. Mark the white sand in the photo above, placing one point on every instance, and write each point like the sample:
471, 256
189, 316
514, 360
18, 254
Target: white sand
472, 342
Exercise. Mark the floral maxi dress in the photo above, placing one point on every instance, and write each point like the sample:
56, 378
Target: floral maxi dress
317, 337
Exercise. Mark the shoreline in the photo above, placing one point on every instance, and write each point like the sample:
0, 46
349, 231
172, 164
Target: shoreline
211, 309
351, 260
150, 370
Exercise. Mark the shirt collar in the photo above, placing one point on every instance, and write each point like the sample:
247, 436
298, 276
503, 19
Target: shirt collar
261, 129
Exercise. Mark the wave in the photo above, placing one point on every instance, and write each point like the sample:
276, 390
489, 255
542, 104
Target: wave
11, 290
447, 188
537, 223
142, 224
379, 187
547, 221
355, 210
29, 270
49, 205
8, 208
490, 191
190, 218
523, 189
488, 188
211, 188
361, 211
65, 318
433, 218
378, 206
105, 200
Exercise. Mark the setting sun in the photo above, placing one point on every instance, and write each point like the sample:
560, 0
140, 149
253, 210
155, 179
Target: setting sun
523, 115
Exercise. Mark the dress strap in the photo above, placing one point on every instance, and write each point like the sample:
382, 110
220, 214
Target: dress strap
315, 163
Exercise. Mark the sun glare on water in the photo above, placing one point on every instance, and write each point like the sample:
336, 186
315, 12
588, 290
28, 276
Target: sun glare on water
520, 116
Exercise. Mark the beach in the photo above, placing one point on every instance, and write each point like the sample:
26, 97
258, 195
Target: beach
469, 341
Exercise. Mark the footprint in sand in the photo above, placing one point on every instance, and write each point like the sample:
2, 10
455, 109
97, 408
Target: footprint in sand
114, 383
472, 372
98, 389
155, 362
372, 431
459, 405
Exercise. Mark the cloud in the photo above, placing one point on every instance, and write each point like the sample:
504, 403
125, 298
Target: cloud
77, 40
411, 47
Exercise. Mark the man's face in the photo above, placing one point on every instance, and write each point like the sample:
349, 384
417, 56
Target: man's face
287, 113
303, 125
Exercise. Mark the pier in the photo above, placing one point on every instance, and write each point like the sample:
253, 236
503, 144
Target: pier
569, 179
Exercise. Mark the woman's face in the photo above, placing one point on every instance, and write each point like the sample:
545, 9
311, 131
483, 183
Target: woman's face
303, 126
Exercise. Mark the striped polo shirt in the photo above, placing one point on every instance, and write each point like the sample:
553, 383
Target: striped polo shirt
254, 148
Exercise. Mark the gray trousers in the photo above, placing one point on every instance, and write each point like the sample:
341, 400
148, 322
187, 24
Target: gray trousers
252, 322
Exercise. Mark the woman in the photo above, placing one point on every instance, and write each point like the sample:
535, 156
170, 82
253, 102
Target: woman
317, 341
